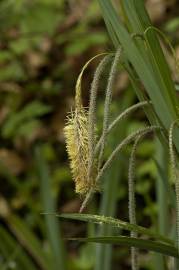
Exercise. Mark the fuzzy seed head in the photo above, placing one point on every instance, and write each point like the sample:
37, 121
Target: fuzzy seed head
76, 134
78, 142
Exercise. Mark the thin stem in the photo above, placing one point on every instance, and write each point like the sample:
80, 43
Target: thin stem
78, 100
127, 140
119, 118
107, 103
174, 175
86, 200
92, 109
132, 201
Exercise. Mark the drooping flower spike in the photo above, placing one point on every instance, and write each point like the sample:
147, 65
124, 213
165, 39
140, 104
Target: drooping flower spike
77, 141
84, 151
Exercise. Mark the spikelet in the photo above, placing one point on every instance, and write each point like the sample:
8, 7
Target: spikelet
76, 138
76, 134
77, 142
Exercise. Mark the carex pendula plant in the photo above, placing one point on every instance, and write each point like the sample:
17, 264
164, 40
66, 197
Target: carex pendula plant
139, 52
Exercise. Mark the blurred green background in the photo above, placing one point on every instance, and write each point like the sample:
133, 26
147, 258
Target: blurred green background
43, 46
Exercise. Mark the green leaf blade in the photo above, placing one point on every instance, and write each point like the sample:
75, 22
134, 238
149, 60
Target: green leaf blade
116, 223
133, 242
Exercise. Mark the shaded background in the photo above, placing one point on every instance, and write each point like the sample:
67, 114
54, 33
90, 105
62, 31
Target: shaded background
43, 46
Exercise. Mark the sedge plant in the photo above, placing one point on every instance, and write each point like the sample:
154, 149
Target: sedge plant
139, 52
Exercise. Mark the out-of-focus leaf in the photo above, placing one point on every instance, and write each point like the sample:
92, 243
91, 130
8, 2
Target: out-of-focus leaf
146, 149
20, 46
9, 249
80, 45
28, 240
12, 71
86, 258
27, 129
30, 111
177, 87
5, 55
35, 19
143, 187
147, 168
172, 25
54, 235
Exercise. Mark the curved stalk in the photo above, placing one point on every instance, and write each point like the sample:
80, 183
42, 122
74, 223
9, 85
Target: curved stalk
107, 103
119, 118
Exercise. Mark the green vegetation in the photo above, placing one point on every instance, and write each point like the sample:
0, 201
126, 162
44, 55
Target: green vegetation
132, 147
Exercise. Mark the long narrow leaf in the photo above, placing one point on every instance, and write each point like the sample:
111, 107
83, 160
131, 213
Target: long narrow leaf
164, 104
110, 191
49, 205
116, 223
26, 237
133, 242
9, 248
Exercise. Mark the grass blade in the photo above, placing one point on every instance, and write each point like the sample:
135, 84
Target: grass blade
146, 68
28, 240
115, 223
162, 188
133, 242
110, 191
12, 252
53, 231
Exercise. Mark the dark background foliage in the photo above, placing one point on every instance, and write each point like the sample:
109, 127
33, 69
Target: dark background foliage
43, 46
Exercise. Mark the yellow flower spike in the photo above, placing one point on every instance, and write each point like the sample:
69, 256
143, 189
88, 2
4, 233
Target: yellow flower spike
76, 134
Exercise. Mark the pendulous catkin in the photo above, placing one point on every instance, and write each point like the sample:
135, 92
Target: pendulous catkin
76, 134
77, 137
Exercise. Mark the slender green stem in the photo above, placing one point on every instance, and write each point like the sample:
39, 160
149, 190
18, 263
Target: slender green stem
108, 208
92, 109
119, 118
107, 103
109, 196
174, 174
127, 140
132, 202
